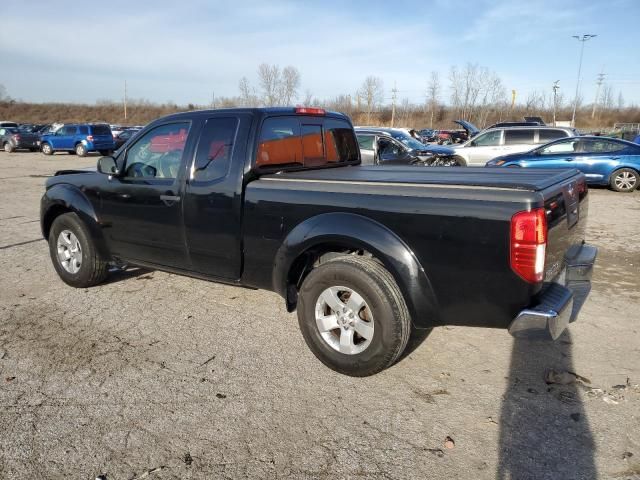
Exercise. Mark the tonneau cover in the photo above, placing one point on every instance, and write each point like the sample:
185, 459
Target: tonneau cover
510, 178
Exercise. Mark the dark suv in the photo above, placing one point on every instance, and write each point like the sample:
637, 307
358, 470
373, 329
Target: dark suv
79, 138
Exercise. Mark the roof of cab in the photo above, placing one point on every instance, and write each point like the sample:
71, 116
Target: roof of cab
263, 111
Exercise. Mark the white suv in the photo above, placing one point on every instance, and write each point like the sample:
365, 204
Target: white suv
498, 141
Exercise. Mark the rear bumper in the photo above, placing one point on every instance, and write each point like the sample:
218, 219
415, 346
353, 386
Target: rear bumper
559, 302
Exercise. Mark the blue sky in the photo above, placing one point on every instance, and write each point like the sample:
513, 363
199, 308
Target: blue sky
184, 50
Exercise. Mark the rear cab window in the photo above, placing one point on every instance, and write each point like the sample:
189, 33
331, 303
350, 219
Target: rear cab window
305, 142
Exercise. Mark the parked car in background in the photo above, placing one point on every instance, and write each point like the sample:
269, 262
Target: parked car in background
124, 136
8, 124
388, 146
604, 161
12, 139
79, 139
494, 142
449, 137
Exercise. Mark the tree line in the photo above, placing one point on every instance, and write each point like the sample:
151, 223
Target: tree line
471, 92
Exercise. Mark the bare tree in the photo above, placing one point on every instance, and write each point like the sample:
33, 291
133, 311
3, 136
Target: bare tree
372, 92
308, 98
289, 84
3, 94
607, 97
269, 77
248, 97
433, 95
620, 101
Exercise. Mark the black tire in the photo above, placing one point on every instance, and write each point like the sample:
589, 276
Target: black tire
624, 180
93, 267
81, 150
8, 147
391, 321
46, 149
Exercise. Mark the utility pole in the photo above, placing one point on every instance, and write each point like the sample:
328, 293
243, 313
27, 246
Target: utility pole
582, 39
556, 87
393, 103
125, 99
513, 102
213, 99
599, 83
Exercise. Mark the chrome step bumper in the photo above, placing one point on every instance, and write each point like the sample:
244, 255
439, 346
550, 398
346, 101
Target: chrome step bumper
559, 302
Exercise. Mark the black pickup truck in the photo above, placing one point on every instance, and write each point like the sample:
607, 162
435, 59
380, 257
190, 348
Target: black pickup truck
276, 199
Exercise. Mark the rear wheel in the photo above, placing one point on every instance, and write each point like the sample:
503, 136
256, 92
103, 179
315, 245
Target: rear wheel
8, 147
46, 149
624, 180
353, 316
74, 254
81, 150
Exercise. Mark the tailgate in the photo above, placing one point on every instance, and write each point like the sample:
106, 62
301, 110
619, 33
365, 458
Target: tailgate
566, 206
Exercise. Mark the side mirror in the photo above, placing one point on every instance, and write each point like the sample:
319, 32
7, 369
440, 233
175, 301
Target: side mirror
108, 166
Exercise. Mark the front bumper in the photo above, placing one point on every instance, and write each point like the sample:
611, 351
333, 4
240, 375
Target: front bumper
559, 302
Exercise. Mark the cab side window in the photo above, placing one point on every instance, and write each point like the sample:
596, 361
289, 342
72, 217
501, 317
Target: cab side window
158, 153
215, 149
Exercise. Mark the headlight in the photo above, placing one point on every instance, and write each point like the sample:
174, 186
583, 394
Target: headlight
495, 163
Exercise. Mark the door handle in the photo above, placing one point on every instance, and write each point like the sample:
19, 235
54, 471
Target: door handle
170, 198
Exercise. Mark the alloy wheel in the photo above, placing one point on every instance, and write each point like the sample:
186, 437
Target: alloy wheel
344, 320
69, 251
625, 181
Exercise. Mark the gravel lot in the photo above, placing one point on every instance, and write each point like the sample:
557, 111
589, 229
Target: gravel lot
158, 376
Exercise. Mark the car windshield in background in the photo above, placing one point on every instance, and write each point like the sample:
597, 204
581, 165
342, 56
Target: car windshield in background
101, 130
408, 140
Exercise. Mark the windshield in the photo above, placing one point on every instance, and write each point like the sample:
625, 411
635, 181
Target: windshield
408, 140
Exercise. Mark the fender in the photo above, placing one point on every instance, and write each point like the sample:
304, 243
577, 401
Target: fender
62, 198
356, 231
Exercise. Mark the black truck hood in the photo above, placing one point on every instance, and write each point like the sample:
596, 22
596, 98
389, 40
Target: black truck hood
509, 178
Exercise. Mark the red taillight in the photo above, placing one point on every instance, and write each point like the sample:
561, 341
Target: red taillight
16, 136
528, 244
90, 138
310, 111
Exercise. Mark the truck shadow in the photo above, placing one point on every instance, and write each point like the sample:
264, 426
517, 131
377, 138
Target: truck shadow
544, 431
119, 275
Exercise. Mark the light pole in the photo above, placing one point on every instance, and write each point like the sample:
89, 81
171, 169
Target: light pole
556, 87
581, 39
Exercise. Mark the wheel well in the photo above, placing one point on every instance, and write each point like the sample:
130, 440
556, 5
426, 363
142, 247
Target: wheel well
53, 213
312, 258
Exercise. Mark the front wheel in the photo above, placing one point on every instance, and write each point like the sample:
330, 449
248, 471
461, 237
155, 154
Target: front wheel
81, 150
624, 180
74, 254
46, 149
353, 316
8, 147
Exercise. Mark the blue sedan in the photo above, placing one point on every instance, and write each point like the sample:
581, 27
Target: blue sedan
604, 161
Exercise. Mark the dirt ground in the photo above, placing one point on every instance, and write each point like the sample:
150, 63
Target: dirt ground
157, 376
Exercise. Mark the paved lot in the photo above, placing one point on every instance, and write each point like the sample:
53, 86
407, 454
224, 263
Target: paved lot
159, 376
